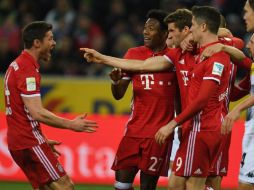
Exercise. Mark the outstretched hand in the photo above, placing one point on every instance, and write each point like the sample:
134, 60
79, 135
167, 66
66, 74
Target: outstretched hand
80, 124
92, 55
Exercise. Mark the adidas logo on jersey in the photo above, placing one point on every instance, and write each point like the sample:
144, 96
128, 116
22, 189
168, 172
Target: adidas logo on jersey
223, 170
198, 171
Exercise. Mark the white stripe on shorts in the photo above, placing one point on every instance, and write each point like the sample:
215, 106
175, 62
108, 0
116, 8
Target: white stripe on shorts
46, 163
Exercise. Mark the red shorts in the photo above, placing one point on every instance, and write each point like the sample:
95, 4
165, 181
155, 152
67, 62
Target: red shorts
143, 154
220, 164
196, 153
39, 164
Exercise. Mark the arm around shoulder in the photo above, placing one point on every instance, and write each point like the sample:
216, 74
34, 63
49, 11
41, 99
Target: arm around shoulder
235, 54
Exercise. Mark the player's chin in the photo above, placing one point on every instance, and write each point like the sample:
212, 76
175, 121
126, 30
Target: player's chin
47, 58
147, 43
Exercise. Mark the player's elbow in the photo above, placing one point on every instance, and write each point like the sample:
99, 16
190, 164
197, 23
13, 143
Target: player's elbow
37, 114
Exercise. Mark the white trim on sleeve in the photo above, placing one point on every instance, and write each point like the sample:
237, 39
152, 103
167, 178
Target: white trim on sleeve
30, 95
168, 59
211, 78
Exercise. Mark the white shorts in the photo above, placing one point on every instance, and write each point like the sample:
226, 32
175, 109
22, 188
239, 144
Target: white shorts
246, 174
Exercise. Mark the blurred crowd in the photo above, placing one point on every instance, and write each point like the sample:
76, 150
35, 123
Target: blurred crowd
109, 26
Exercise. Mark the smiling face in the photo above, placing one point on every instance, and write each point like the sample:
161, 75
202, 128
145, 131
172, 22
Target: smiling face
248, 16
46, 46
154, 37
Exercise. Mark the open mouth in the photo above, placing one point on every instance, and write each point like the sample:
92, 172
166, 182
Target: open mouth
48, 55
147, 39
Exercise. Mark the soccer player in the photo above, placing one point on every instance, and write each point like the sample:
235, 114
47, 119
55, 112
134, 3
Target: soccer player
24, 111
179, 23
152, 107
183, 63
208, 86
235, 92
246, 169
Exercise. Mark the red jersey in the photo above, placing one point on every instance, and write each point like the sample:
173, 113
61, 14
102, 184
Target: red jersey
216, 68
183, 63
238, 43
153, 97
233, 68
22, 79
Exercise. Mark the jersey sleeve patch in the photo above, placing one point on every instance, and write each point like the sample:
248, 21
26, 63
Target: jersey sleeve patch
217, 68
30, 84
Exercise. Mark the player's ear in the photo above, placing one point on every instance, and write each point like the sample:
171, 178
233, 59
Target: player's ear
36, 43
186, 29
204, 27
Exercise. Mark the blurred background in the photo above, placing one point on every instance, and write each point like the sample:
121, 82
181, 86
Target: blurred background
109, 26
70, 86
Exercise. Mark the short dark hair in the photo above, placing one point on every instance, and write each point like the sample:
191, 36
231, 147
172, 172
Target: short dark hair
209, 15
34, 30
159, 15
251, 2
181, 18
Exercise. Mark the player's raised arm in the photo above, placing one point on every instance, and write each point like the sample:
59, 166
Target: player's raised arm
118, 84
162, 63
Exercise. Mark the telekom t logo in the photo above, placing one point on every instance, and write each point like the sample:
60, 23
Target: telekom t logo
185, 77
147, 80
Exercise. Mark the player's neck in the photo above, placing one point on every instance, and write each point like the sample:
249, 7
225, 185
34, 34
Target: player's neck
33, 53
207, 39
158, 49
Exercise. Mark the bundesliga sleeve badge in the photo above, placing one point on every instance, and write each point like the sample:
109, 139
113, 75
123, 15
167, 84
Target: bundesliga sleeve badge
217, 68
30, 84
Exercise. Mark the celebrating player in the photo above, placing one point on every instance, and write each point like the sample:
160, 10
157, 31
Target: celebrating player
152, 107
24, 111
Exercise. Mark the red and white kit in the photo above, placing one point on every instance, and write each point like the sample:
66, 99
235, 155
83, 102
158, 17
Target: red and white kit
26, 143
152, 108
201, 134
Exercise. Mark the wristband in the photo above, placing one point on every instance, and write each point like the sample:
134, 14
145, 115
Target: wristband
115, 82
